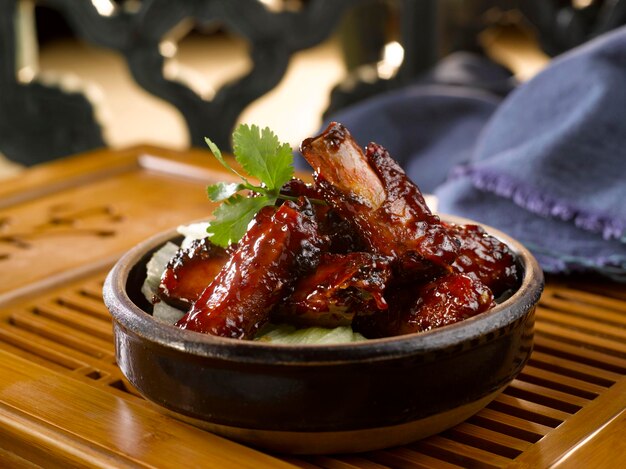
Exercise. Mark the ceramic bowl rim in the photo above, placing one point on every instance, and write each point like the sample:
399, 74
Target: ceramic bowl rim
134, 319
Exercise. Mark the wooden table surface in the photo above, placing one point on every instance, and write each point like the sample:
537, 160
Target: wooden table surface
64, 402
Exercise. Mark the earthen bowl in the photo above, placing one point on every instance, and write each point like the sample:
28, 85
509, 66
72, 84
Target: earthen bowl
321, 398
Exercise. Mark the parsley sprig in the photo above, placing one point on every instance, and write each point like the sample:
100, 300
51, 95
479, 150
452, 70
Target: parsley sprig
262, 156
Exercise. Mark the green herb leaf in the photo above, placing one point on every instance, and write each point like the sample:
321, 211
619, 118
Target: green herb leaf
263, 156
233, 216
218, 156
223, 190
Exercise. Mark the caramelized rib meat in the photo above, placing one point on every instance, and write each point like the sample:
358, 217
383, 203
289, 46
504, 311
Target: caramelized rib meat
445, 300
340, 235
190, 271
340, 287
389, 266
279, 244
484, 257
371, 191
298, 188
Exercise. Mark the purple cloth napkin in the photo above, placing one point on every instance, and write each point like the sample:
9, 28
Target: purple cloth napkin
546, 164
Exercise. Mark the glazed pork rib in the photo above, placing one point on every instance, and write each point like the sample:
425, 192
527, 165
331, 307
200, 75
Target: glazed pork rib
280, 243
373, 256
440, 302
371, 191
340, 235
188, 273
338, 159
342, 286
484, 258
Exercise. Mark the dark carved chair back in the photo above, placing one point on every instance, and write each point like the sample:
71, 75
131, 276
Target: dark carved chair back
38, 122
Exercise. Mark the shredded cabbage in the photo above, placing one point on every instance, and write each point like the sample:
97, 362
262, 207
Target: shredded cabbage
192, 232
166, 313
286, 334
155, 268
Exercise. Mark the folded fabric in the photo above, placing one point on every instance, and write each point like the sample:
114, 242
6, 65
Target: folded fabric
547, 164
431, 126
558, 245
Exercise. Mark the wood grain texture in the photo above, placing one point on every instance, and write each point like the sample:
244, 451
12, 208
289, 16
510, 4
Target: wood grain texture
87, 425
585, 430
603, 448
95, 207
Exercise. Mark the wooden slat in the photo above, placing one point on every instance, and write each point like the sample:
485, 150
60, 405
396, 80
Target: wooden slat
63, 335
601, 295
118, 430
583, 292
546, 396
584, 324
606, 448
578, 352
86, 304
53, 352
92, 289
563, 383
77, 321
460, 453
13, 461
611, 346
488, 440
301, 462
510, 425
598, 314
606, 289
45, 349
119, 384
45, 446
403, 457
346, 462
573, 432
575, 369
27, 355
528, 410
91, 374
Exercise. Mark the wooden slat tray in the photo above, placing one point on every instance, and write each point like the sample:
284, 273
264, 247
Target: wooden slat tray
64, 401
571, 383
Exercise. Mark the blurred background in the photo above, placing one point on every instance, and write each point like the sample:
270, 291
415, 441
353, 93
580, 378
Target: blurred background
75, 75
